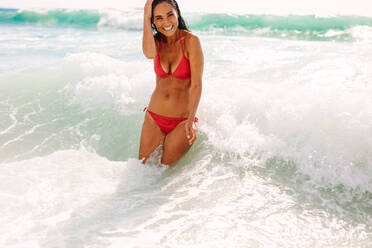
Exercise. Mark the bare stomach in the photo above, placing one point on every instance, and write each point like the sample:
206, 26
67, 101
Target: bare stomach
169, 100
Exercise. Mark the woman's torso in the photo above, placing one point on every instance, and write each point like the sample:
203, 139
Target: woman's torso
171, 95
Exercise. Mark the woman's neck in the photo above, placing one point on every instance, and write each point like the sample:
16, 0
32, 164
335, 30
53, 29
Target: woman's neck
174, 38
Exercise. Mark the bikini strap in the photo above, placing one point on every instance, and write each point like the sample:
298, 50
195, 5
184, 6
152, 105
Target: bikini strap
181, 42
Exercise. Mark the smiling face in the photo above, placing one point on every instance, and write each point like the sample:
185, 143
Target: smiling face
165, 19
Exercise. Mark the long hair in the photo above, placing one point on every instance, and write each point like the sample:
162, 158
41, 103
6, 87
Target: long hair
181, 21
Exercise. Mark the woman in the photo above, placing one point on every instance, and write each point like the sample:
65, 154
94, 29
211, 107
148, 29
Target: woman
178, 64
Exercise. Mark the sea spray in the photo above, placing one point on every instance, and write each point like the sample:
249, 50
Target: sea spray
282, 156
303, 27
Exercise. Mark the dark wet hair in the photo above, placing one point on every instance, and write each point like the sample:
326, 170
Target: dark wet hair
181, 21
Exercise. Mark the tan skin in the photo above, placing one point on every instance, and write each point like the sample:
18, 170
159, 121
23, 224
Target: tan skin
172, 97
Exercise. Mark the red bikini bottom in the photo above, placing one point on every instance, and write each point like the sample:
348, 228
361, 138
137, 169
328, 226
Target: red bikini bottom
167, 124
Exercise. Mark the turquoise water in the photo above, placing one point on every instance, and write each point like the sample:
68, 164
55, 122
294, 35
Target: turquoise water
303, 27
283, 157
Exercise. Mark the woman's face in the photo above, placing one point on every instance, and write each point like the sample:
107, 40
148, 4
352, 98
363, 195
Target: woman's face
165, 18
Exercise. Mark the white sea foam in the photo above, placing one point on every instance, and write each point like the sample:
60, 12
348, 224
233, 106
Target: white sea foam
313, 112
118, 19
104, 82
76, 198
282, 157
362, 33
53, 188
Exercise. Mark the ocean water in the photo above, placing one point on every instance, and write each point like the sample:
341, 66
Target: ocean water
284, 150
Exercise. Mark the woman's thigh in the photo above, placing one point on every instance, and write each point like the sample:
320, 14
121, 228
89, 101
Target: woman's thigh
176, 145
151, 137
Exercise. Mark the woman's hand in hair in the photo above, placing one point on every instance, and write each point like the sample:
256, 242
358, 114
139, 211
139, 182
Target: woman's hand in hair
148, 9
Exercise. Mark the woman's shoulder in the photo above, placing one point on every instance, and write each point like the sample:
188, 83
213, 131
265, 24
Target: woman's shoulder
188, 36
190, 40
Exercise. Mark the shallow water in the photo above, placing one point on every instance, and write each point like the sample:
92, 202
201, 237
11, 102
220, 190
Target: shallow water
283, 157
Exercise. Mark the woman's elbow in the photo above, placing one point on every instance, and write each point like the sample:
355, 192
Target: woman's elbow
149, 55
196, 86
196, 82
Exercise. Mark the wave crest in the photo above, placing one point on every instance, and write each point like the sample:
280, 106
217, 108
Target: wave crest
301, 27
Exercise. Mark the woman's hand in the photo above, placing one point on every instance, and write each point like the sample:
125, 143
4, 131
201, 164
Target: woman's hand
190, 130
148, 9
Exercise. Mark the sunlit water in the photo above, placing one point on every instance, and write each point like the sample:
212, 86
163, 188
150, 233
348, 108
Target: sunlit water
283, 157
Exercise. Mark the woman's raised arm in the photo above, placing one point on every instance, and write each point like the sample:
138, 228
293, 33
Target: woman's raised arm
148, 41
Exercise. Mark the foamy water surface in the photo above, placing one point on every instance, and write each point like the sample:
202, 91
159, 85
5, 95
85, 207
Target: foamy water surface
283, 155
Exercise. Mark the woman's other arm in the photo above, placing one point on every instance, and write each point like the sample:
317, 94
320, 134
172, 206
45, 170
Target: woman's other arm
196, 58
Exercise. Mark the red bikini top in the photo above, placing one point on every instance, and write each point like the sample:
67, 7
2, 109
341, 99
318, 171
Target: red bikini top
182, 70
